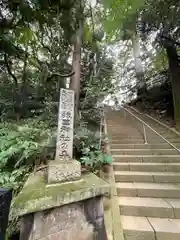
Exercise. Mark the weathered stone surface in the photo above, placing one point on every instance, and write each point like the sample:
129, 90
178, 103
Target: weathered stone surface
63, 221
38, 196
63, 171
84, 220
94, 210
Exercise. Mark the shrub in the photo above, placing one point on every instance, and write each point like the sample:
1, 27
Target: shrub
21, 147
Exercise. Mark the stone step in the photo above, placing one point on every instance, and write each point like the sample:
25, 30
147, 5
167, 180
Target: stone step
173, 139
147, 158
147, 178
144, 152
165, 131
135, 141
124, 136
138, 141
154, 140
162, 190
157, 126
119, 132
156, 177
141, 146
119, 125
169, 135
149, 207
147, 167
142, 228
136, 129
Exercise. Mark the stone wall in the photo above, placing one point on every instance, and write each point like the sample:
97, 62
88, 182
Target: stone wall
82, 221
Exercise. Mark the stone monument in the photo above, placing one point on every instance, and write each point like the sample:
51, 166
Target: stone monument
65, 124
65, 204
65, 168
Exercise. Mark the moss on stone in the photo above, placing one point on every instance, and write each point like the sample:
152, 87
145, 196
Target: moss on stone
37, 196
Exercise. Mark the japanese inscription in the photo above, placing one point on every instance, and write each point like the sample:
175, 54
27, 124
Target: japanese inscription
64, 147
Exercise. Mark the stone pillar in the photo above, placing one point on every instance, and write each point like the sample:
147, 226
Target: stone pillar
64, 168
64, 144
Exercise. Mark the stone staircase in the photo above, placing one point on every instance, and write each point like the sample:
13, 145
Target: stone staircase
147, 178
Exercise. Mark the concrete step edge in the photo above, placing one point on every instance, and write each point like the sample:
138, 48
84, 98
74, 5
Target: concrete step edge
148, 189
142, 149
150, 228
161, 156
148, 177
145, 163
149, 207
146, 173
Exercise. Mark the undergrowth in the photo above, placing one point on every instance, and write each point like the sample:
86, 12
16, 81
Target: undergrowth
32, 142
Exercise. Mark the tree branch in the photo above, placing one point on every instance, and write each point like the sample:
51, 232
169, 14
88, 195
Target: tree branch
9, 69
61, 75
24, 67
46, 47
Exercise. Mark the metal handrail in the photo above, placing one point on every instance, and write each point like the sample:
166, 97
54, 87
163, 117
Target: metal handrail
101, 128
145, 124
145, 135
144, 129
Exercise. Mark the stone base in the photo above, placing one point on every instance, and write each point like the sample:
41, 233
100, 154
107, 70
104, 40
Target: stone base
65, 211
63, 171
83, 221
37, 196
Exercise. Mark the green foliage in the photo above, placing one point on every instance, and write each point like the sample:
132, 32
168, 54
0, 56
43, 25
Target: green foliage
87, 144
88, 38
160, 60
97, 86
84, 137
94, 159
14, 179
119, 13
160, 15
21, 147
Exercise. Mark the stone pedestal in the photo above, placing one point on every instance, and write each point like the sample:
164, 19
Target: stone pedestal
63, 171
62, 211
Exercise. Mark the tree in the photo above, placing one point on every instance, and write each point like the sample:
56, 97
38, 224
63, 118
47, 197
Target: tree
76, 62
164, 18
121, 22
130, 31
153, 17
24, 31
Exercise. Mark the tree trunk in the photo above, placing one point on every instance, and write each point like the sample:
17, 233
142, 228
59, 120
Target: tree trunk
176, 99
141, 84
76, 64
175, 81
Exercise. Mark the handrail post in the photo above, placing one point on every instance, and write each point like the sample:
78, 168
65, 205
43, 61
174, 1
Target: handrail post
101, 128
124, 113
145, 134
